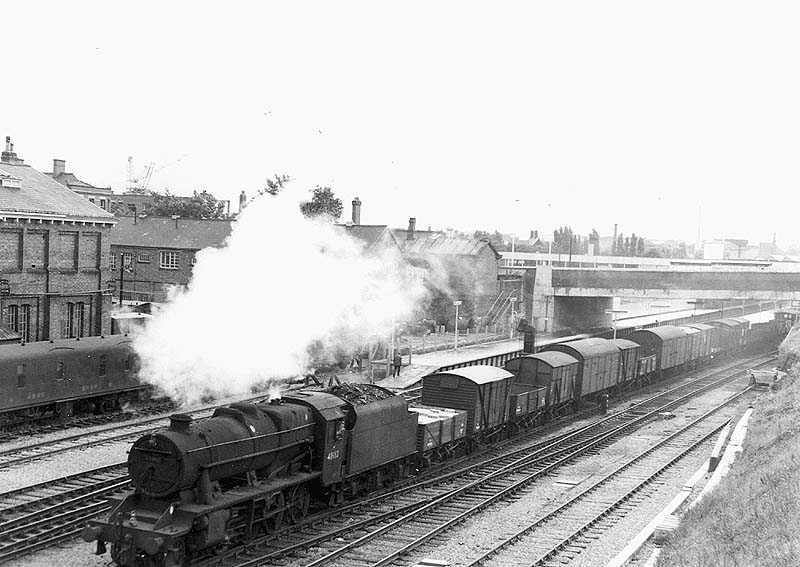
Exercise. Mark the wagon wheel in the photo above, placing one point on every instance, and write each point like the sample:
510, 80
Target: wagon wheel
297, 504
176, 554
275, 522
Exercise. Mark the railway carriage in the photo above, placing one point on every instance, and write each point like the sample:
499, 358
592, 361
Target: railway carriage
62, 377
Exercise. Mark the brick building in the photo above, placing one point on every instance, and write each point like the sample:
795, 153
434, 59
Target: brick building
156, 253
464, 269
54, 249
100, 196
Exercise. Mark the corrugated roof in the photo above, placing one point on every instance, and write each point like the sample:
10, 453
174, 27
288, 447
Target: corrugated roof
40, 193
480, 374
7, 334
441, 245
161, 232
589, 348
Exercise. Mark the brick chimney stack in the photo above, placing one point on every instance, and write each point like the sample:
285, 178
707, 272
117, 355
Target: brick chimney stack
59, 167
8, 156
356, 211
412, 224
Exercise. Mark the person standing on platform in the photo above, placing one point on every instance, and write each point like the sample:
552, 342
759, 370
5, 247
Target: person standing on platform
397, 363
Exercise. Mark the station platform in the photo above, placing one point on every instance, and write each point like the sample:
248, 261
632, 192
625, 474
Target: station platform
423, 364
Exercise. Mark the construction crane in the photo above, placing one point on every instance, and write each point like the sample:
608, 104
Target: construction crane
141, 184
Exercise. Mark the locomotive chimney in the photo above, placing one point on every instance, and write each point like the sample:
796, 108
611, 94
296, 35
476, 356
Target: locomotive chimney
412, 224
356, 211
180, 422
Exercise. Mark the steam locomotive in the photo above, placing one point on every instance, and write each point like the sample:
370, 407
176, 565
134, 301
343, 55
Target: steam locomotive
200, 486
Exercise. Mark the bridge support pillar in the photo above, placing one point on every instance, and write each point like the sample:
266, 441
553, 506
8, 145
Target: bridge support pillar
579, 313
550, 313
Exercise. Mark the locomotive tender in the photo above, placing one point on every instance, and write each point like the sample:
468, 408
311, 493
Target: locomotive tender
251, 467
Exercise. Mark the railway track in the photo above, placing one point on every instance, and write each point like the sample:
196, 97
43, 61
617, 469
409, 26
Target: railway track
361, 533
573, 526
45, 514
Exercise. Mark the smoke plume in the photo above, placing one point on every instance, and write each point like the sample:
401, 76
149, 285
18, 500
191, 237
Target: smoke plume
282, 292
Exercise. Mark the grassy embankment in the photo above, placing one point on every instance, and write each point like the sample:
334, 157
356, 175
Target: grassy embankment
753, 517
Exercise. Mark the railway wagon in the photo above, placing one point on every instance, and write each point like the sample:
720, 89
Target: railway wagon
554, 371
785, 319
732, 332
630, 355
482, 391
708, 340
669, 344
598, 364
61, 377
441, 433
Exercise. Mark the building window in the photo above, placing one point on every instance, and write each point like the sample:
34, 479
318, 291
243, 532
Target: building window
104, 204
143, 258
127, 259
168, 260
91, 200
18, 320
112, 261
73, 320
193, 260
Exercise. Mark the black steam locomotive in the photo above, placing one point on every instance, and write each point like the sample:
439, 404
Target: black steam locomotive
252, 467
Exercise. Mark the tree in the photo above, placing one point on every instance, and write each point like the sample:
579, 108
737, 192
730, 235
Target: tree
323, 202
594, 239
201, 205
275, 186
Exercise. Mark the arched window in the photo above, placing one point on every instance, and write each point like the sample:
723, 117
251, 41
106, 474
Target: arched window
13, 316
68, 324
24, 322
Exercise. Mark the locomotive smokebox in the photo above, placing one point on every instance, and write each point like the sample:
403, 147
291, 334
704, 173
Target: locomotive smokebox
180, 423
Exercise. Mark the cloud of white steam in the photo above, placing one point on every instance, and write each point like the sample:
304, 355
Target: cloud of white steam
254, 306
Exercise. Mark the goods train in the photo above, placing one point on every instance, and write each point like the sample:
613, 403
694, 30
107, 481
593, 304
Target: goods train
200, 486
59, 378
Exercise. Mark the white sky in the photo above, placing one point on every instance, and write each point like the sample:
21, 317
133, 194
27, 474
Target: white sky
509, 116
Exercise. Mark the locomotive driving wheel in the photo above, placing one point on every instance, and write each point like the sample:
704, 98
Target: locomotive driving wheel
275, 522
297, 503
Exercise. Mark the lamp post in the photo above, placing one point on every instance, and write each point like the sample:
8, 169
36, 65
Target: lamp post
660, 307
694, 303
456, 303
613, 313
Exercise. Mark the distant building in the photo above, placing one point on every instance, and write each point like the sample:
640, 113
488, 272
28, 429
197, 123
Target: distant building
157, 253
463, 269
737, 249
100, 196
54, 254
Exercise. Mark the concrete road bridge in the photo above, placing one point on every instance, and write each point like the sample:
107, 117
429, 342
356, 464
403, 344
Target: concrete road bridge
558, 298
